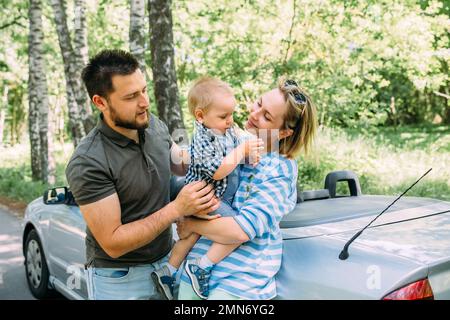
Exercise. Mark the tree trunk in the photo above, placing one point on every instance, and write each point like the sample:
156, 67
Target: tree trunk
51, 180
2, 124
81, 57
75, 100
80, 33
163, 65
38, 95
446, 117
3, 106
137, 31
13, 127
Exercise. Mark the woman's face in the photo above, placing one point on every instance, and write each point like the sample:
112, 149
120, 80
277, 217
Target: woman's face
267, 112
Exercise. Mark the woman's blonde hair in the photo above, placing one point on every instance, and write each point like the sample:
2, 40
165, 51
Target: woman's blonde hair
201, 94
301, 117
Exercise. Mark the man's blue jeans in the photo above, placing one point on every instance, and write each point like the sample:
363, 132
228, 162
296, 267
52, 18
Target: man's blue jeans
129, 283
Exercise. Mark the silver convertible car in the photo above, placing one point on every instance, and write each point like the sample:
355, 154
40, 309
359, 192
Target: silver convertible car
404, 254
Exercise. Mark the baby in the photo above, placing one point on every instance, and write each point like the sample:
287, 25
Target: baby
215, 153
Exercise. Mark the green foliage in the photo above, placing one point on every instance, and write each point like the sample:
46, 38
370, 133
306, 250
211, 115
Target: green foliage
15, 172
353, 56
376, 159
365, 63
17, 184
386, 161
13, 66
108, 24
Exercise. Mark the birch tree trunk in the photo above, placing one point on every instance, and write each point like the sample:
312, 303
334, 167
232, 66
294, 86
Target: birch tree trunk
81, 57
163, 64
137, 31
3, 106
75, 100
446, 118
38, 95
51, 178
80, 33
2, 124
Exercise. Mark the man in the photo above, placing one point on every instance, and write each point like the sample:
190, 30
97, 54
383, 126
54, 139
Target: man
119, 175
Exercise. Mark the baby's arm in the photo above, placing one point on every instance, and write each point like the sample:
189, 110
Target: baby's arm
232, 160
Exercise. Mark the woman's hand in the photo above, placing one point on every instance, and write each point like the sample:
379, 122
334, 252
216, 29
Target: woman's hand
252, 149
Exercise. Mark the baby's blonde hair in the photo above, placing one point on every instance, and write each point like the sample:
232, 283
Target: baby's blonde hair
301, 118
201, 94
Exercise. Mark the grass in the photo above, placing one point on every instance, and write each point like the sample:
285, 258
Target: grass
386, 160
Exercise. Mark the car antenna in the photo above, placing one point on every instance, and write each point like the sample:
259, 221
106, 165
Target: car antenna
344, 253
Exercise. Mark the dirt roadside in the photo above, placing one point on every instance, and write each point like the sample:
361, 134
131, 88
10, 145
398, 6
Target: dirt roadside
13, 206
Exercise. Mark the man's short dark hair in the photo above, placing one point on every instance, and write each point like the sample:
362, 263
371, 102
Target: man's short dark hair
98, 73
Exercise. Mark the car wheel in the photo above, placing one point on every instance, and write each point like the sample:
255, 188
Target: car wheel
36, 267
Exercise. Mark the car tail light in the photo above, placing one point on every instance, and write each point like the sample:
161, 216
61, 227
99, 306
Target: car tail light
419, 290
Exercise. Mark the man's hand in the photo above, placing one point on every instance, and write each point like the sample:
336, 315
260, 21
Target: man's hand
196, 198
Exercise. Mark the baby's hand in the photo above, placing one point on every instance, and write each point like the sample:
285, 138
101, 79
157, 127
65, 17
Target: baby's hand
253, 149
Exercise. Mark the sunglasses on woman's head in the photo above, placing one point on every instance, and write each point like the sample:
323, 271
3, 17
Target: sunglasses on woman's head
298, 96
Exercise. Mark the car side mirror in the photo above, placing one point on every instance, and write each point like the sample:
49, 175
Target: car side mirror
56, 195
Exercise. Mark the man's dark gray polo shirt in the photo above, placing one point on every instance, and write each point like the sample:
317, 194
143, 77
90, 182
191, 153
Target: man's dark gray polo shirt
106, 162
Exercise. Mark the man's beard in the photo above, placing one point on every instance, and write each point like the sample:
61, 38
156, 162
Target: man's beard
119, 122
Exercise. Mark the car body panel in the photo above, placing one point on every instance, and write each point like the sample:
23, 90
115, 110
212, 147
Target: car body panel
439, 277
408, 243
312, 270
61, 229
66, 237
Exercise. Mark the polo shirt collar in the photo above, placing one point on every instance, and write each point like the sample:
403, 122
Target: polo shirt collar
115, 136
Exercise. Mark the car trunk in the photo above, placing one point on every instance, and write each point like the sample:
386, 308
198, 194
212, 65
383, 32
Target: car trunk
415, 229
316, 212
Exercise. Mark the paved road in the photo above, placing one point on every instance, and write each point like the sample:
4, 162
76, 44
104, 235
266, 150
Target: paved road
13, 284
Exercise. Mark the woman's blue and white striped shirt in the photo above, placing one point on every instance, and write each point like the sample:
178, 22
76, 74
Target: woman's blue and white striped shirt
265, 194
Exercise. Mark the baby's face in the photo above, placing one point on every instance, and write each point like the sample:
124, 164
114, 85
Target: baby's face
220, 114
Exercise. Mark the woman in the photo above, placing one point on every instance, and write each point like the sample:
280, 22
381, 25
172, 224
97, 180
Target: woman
266, 193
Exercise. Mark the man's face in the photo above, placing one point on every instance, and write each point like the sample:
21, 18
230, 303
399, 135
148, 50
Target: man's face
128, 103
